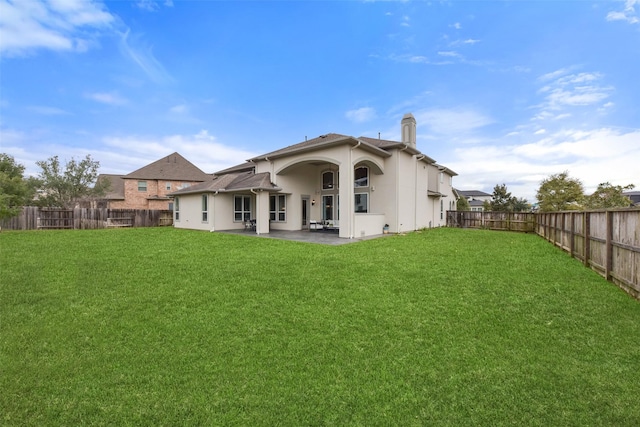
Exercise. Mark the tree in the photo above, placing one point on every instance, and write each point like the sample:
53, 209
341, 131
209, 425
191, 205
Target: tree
501, 200
463, 204
521, 205
609, 196
78, 181
559, 192
15, 191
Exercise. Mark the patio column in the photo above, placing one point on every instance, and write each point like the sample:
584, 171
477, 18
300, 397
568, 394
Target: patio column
262, 212
346, 199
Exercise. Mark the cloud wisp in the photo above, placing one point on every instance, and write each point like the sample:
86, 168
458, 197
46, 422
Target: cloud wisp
627, 14
361, 115
73, 25
142, 55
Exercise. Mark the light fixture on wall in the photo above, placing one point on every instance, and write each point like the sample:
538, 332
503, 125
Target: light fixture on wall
313, 202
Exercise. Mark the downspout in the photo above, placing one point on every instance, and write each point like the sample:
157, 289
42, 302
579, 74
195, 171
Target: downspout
352, 214
419, 158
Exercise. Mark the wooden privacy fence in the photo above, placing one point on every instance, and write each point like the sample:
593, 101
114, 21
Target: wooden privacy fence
32, 218
606, 241
509, 221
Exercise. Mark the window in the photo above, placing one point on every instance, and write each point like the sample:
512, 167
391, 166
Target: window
168, 186
176, 208
142, 185
361, 177
327, 207
361, 202
328, 182
441, 177
277, 208
441, 209
242, 208
205, 208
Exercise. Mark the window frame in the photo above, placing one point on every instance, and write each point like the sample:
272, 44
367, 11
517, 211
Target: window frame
142, 186
356, 204
355, 179
176, 208
333, 185
245, 215
205, 208
278, 208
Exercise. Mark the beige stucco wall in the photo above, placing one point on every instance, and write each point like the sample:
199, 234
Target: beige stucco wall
398, 196
191, 213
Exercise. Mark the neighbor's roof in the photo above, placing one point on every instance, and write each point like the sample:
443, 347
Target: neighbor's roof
473, 193
173, 167
242, 181
116, 189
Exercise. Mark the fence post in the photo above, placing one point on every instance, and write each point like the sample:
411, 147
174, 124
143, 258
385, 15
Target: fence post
572, 244
609, 247
587, 239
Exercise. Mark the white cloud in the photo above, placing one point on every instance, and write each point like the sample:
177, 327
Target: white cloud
593, 156
202, 149
451, 121
628, 14
179, 109
563, 90
48, 111
361, 115
107, 98
451, 54
456, 25
61, 25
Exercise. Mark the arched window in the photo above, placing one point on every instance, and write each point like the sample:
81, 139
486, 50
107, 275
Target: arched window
361, 177
328, 182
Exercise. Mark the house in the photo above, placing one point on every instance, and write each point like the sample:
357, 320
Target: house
634, 196
352, 186
475, 198
149, 186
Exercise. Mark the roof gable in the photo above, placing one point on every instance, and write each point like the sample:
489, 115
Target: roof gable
173, 167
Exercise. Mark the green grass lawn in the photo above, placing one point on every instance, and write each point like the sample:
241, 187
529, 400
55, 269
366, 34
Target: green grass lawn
161, 326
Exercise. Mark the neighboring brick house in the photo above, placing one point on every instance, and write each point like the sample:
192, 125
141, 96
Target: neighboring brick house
147, 187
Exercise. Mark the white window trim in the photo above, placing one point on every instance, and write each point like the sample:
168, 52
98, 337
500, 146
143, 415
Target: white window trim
274, 215
205, 208
243, 212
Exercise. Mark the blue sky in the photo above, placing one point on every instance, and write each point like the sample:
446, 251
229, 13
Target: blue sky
502, 91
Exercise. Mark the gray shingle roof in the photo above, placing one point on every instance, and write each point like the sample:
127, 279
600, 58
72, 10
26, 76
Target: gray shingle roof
473, 193
116, 190
242, 181
173, 167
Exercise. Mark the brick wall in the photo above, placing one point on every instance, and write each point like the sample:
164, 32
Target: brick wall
135, 199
